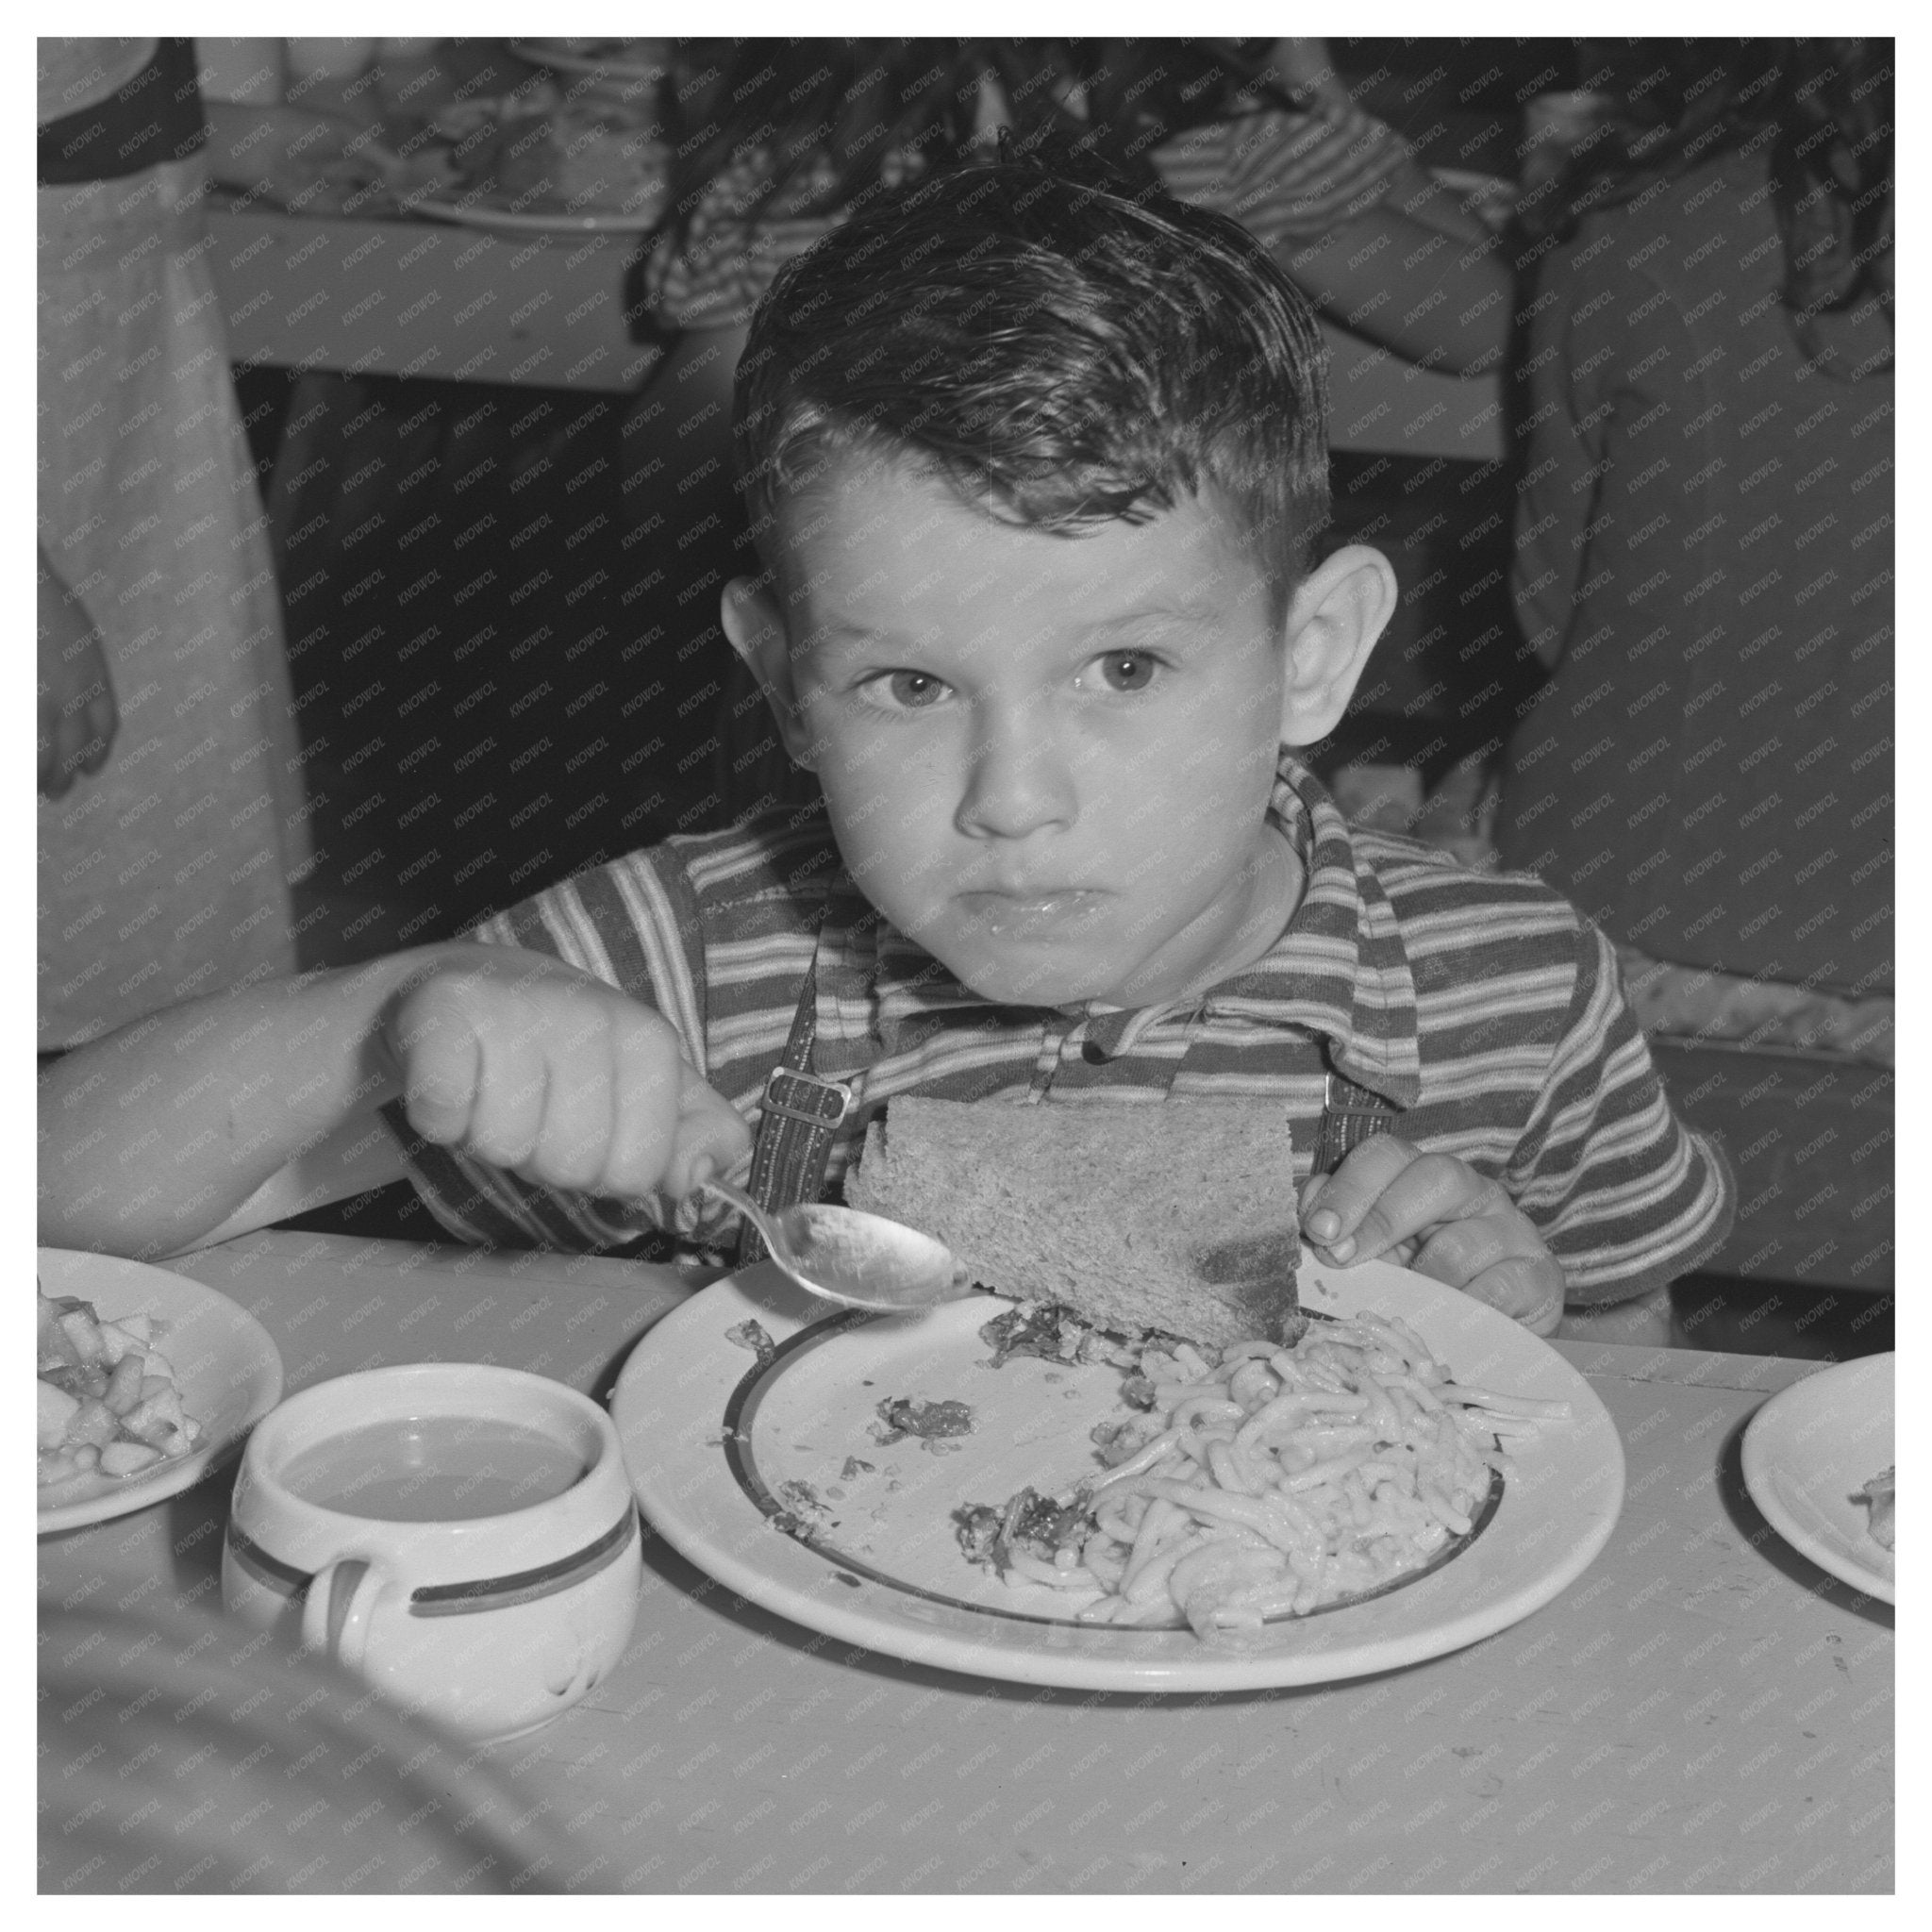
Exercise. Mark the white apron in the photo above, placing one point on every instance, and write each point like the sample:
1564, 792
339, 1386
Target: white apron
166, 875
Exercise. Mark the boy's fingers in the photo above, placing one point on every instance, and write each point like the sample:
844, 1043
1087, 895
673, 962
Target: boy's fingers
1527, 1288
1385, 1192
575, 1130
1342, 1219
648, 1079
1400, 1252
1432, 1190
512, 1082
439, 1063
473, 1069
1456, 1252
712, 1138
1342, 1198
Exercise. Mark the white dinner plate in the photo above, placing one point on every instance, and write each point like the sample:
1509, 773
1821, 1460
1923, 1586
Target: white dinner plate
226, 1365
729, 1453
506, 221
1809, 1449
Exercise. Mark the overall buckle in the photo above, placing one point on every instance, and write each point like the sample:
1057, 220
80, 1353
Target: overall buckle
805, 1097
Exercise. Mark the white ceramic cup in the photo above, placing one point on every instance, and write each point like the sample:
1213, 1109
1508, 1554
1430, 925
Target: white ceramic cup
487, 1626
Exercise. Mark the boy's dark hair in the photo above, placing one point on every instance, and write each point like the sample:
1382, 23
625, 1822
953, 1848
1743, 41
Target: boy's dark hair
1063, 352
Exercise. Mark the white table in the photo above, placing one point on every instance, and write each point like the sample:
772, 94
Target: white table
1702, 1711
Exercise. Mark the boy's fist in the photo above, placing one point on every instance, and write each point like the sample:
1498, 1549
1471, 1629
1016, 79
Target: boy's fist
1434, 1213
540, 1069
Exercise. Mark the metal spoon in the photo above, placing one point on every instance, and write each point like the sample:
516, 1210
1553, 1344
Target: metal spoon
864, 1260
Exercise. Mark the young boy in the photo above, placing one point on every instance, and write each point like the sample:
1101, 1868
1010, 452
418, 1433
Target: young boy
1035, 471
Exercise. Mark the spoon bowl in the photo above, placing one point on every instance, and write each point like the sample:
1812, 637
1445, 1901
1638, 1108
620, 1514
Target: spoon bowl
860, 1260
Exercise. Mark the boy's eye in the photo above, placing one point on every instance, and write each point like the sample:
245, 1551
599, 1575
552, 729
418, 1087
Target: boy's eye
1127, 670
905, 691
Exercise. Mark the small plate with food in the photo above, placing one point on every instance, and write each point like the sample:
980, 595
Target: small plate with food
1818, 1463
547, 162
147, 1380
536, 219
1164, 1458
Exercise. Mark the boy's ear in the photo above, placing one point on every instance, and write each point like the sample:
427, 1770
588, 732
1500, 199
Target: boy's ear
753, 622
1333, 619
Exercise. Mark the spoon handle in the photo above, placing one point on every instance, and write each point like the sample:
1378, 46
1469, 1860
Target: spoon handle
749, 1209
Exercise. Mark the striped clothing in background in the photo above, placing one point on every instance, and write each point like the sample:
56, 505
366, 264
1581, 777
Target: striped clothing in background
1287, 178
1290, 177
1485, 1008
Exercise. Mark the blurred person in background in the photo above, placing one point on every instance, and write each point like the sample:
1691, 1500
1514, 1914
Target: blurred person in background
1705, 541
776, 142
172, 820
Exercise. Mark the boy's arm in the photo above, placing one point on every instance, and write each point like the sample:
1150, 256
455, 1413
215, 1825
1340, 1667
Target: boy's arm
183, 1128
354, 1159
1608, 1197
152, 1137
1627, 1197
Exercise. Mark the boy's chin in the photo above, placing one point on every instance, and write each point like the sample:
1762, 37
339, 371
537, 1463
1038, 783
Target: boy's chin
1006, 980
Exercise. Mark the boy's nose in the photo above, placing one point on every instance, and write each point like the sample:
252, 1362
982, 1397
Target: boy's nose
1020, 779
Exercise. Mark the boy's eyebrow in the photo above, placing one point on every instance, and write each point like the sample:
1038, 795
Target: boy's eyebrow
847, 630
1189, 610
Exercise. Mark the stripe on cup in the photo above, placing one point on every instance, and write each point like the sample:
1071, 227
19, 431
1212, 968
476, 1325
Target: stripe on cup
526, 1585
456, 1599
268, 1570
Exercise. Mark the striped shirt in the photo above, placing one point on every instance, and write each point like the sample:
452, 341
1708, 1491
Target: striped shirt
1484, 1007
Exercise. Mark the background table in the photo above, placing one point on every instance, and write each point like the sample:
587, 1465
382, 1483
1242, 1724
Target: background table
427, 298
1703, 1711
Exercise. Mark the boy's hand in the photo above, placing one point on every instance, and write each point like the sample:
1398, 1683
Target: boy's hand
1434, 1213
534, 1067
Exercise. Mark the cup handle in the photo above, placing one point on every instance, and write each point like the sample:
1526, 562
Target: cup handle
335, 1616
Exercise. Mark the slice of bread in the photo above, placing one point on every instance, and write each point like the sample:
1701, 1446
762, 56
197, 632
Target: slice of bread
1178, 1216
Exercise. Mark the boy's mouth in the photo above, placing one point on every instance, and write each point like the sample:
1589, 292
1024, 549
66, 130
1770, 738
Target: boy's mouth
1004, 915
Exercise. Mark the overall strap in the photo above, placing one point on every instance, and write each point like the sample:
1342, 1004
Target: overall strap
796, 1122
1349, 1114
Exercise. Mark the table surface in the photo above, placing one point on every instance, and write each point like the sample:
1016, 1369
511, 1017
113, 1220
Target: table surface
1703, 1710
